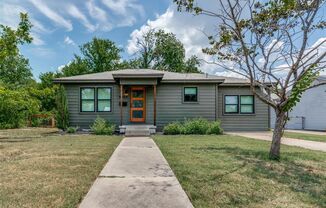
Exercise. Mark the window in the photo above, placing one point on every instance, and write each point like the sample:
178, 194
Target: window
190, 94
104, 99
231, 104
87, 99
246, 104
235, 104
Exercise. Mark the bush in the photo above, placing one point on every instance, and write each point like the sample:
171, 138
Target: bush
196, 126
72, 130
102, 127
193, 126
16, 106
215, 128
62, 115
173, 128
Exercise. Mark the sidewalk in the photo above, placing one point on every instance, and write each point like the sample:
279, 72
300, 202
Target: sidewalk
306, 132
267, 136
136, 176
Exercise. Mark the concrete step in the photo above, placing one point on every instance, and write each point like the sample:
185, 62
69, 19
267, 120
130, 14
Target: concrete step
137, 132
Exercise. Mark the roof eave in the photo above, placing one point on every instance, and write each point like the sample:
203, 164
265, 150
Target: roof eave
241, 84
191, 81
83, 81
137, 75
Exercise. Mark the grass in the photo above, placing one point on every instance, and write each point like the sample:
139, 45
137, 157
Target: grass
232, 171
304, 136
41, 168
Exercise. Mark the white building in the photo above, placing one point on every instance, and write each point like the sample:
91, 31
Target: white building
310, 112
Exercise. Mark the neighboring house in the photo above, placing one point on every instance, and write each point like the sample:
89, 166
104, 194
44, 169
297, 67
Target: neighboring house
159, 97
310, 112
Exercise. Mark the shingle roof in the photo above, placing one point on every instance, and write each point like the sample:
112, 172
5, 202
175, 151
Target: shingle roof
166, 76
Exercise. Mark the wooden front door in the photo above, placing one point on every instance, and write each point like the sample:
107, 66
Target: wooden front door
137, 104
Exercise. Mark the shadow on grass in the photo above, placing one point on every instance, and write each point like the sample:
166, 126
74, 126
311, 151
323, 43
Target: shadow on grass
298, 177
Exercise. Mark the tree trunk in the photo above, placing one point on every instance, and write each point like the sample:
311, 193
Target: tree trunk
281, 119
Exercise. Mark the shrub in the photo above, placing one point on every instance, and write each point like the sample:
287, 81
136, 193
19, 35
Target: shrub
215, 128
193, 126
16, 106
102, 127
196, 126
173, 128
72, 130
62, 109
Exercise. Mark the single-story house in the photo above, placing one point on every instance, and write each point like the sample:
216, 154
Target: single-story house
310, 111
153, 97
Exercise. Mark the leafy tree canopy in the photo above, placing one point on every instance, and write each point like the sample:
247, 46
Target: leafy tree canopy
15, 71
98, 55
163, 51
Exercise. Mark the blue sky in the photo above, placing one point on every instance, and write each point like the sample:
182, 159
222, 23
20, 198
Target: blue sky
60, 26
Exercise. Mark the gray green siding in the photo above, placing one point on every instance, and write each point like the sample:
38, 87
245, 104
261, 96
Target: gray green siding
85, 119
170, 106
257, 121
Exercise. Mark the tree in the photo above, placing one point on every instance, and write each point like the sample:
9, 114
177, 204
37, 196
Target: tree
130, 64
163, 51
146, 45
10, 38
98, 55
62, 116
47, 79
15, 71
16, 107
191, 65
269, 43
77, 66
14, 68
169, 53
101, 55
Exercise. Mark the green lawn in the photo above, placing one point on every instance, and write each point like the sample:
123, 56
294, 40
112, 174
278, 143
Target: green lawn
40, 168
230, 171
304, 136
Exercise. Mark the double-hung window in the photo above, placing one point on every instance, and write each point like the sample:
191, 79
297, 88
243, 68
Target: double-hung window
231, 104
87, 99
95, 99
247, 104
104, 99
190, 94
239, 104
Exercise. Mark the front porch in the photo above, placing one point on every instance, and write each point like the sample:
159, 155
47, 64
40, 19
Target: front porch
137, 103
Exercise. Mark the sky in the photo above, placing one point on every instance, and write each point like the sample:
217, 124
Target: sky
61, 26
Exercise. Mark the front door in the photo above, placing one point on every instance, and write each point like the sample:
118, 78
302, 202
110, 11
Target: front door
137, 104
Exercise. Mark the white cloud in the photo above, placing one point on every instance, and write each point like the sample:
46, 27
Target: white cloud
51, 14
127, 11
10, 17
76, 13
37, 40
188, 29
95, 11
43, 52
69, 41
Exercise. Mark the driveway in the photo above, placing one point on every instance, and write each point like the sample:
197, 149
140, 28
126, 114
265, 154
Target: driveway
267, 136
136, 176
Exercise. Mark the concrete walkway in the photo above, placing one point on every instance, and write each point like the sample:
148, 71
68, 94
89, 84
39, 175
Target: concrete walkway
136, 176
267, 136
307, 132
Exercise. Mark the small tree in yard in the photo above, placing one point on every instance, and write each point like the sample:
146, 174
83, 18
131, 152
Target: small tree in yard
62, 116
270, 44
